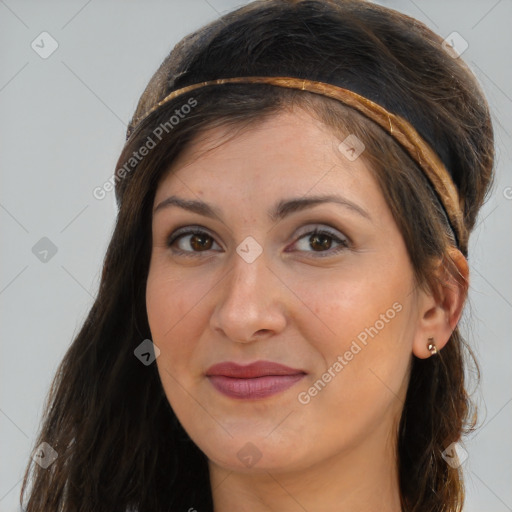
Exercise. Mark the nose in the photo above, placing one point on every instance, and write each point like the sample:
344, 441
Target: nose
250, 302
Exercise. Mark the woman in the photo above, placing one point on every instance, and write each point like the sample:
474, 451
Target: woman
276, 325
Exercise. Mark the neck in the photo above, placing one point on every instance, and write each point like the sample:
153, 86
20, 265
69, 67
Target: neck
362, 479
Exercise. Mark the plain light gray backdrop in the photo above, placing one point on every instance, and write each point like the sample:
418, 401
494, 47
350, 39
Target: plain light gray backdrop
62, 128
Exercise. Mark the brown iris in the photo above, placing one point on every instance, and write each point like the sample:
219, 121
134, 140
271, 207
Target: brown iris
325, 241
201, 241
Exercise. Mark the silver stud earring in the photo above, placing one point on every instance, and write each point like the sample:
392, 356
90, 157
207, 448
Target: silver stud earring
432, 347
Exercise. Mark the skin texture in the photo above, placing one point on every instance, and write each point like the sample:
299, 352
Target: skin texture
298, 303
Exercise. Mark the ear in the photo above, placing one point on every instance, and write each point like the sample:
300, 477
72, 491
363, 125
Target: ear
439, 311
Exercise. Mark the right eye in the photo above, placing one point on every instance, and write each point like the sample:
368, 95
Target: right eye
191, 241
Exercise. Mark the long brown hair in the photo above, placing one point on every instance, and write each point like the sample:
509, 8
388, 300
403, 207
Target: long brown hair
119, 444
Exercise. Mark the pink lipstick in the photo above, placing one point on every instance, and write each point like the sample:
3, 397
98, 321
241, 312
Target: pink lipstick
257, 380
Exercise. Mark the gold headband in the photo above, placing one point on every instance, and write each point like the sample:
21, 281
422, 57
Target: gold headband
394, 125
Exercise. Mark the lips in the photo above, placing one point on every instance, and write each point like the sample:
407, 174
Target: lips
257, 380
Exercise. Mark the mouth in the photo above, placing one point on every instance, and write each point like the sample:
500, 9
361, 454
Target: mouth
257, 380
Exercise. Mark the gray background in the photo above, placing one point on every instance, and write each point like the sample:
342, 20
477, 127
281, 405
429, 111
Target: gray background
62, 128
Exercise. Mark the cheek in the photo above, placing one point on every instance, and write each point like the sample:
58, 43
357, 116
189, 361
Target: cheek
169, 299
360, 380
360, 324
351, 303
173, 304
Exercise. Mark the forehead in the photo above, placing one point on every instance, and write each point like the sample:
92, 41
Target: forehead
290, 153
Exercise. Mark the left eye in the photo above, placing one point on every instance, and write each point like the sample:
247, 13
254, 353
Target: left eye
200, 241
321, 241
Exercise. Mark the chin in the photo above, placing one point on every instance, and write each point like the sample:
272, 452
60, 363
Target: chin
253, 453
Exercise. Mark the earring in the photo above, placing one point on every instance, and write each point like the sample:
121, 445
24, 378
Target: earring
432, 346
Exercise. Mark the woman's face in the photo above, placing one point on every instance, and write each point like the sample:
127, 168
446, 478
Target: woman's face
337, 309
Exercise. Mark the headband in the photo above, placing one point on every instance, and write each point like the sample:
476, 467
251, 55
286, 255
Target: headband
396, 126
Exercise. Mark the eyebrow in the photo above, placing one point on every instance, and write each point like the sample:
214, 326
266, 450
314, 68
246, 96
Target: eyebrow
282, 209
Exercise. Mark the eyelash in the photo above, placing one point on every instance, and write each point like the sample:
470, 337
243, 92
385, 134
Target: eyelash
177, 235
